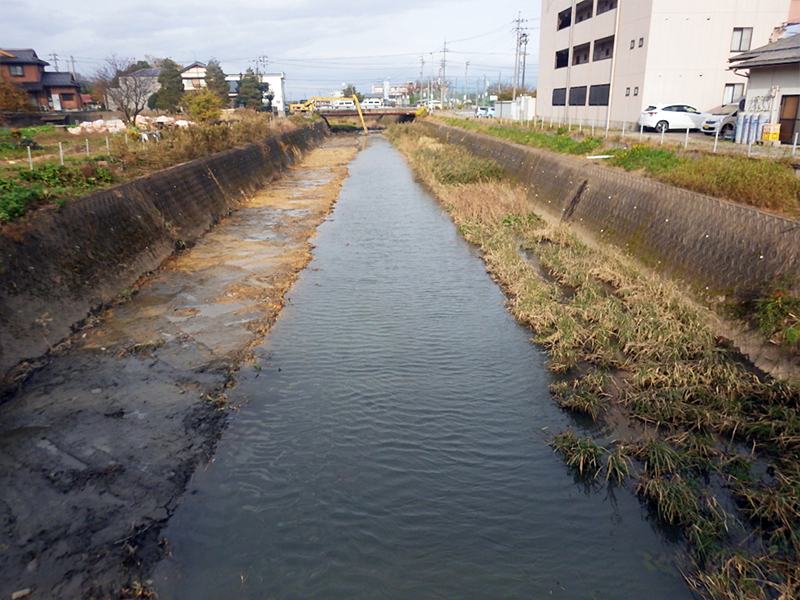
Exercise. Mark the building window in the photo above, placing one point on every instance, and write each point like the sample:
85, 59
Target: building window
560, 97
562, 58
641, 42
627, 91
636, 91
583, 10
598, 94
604, 49
68, 97
740, 42
605, 6
564, 19
16, 70
580, 54
577, 96
733, 93
633, 44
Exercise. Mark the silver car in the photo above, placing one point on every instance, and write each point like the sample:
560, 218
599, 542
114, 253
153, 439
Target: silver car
722, 119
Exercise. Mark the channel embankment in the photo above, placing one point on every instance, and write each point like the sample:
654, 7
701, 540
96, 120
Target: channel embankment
62, 264
713, 245
719, 250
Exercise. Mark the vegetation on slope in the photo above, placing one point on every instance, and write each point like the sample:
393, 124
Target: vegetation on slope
763, 183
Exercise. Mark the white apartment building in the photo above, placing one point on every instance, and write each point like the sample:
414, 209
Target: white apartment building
606, 60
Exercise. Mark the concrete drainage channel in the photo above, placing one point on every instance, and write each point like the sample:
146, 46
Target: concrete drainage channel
97, 447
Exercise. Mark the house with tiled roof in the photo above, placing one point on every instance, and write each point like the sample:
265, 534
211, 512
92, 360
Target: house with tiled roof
47, 90
773, 73
194, 77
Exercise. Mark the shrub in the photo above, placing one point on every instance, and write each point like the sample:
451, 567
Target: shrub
15, 200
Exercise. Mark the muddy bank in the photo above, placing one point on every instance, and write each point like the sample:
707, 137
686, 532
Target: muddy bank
97, 447
60, 264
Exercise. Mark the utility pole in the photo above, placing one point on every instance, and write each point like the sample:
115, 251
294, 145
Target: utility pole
72, 59
262, 60
54, 56
516, 57
421, 71
522, 38
466, 82
443, 87
524, 56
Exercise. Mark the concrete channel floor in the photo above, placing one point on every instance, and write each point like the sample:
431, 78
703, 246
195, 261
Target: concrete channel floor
98, 446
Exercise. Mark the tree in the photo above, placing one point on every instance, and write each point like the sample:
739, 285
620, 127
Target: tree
505, 92
350, 90
250, 91
171, 91
126, 90
215, 80
204, 105
13, 97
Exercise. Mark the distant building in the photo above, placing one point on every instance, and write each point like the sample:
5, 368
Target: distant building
277, 87
398, 93
610, 59
47, 90
136, 86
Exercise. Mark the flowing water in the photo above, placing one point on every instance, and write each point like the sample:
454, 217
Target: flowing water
392, 438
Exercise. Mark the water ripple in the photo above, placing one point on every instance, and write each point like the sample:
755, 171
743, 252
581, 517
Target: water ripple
392, 446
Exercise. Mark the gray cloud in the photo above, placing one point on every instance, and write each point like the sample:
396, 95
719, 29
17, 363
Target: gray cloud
304, 38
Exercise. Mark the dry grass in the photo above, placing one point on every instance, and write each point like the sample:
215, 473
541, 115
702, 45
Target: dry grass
622, 336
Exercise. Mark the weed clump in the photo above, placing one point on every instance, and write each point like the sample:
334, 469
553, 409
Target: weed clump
454, 165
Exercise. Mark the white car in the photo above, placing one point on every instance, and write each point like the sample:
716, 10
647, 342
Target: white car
484, 111
663, 117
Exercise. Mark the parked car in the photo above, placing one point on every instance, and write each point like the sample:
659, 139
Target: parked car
663, 117
722, 119
484, 111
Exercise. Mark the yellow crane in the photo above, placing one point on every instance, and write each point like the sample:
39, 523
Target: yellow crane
310, 105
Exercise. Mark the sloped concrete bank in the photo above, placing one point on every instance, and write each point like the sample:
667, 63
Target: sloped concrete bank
65, 263
97, 445
710, 244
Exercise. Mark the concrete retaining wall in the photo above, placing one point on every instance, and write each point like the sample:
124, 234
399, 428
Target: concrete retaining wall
708, 243
63, 263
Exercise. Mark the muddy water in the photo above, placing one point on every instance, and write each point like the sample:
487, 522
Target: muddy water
391, 438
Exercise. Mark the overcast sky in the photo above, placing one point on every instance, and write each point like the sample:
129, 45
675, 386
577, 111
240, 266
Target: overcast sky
319, 44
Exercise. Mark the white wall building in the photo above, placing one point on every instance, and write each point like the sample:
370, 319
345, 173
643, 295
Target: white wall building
605, 60
277, 86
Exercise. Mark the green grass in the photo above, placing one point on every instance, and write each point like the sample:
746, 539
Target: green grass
762, 183
653, 161
561, 143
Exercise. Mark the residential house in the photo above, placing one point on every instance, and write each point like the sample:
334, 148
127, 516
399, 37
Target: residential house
773, 90
47, 90
604, 61
194, 77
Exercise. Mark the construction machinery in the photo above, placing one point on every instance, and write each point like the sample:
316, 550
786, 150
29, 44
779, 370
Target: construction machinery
328, 106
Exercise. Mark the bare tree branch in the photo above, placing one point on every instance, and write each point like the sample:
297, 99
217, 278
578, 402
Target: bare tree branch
127, 87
